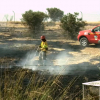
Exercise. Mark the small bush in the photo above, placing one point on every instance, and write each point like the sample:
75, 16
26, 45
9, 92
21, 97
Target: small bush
55, 14
34, 20
72, 24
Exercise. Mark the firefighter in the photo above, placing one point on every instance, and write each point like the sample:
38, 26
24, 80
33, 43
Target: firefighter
43, 50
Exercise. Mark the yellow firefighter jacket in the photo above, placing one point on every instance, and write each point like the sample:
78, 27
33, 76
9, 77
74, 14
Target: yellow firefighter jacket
44, 46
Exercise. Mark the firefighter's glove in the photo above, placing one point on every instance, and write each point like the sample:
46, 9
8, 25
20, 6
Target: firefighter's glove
46, 48
39, 46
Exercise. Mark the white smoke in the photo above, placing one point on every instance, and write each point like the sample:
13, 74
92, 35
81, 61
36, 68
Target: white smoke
56, 66
62, 58
60, 66
30, 61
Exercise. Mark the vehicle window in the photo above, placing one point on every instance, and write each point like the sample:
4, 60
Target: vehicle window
97, 29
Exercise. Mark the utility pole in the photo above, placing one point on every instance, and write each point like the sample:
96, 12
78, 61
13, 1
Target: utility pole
82, 15
14, 16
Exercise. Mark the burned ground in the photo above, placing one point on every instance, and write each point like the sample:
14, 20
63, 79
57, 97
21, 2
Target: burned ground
67, 59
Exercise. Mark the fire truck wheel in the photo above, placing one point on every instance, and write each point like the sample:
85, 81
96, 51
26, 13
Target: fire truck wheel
84, 42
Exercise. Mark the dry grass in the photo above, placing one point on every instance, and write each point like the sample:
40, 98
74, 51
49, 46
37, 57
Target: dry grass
11, 24
90, 25
23, 84
50, 25
93, 23
56, 25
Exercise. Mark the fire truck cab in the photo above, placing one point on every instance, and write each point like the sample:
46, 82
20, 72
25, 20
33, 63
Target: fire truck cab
87, 37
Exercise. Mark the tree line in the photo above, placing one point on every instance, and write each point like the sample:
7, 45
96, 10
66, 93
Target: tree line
70, 23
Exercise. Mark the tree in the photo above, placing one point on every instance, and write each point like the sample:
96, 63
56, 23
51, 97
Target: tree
55, 14
33, 19
72, 24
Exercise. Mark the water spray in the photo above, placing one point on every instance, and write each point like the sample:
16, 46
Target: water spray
30, 55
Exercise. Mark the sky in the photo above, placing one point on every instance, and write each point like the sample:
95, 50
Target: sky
88, 9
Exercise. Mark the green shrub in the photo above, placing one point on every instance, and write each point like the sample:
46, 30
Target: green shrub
55, 14
72, 24
34, 19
